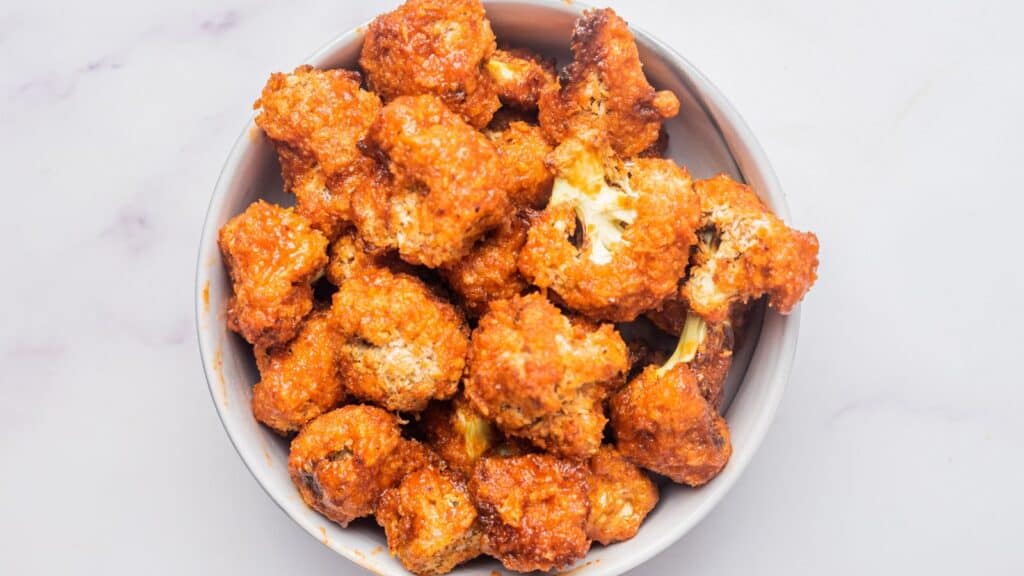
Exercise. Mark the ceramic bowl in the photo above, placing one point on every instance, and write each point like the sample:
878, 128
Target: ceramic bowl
707, 137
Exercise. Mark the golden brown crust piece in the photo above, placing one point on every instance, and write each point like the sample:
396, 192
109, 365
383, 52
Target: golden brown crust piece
523, 152
447, 188
350, 256
542, 377
490, 271
620, 497
533, 510
459, 433
664, 424
433, 47
520, 76
605, 89
404, 346
315, 119
299, 380
344, 460
637, 223
756, 254
273, 256
430, 521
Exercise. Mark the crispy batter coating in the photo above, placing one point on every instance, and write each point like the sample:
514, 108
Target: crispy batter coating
349, 256
533, 510
430, 521
434, 47
344, 460
620, 497
542, 377
273, 256
315, 119
664, 424
299, 380
748, 252
637, 223
404, 346
523, 151
459, 433
520, 76
447, 189
605, 89
490, 271
713, 358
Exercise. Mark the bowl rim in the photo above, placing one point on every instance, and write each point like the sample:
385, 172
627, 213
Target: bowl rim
750, 159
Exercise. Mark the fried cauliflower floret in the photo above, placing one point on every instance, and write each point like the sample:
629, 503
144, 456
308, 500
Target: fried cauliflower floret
349, 255
533, 510
490, 271
435, 47
459, 433
615, 237
343, 461
542, 377
604, 88
663, 423
746, 252
447, 188
707, 348
315, 119
620, 497
299, 380
520, 76
403, 345
430, 521
523, 151
273, 256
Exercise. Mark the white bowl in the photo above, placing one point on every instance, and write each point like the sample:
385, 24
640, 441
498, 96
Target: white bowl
708, 137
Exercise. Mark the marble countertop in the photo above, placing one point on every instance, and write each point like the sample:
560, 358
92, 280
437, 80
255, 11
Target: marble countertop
895, 128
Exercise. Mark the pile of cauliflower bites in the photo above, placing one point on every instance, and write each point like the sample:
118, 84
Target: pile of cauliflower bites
439, 319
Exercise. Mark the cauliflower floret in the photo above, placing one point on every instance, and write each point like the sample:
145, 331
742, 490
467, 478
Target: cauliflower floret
490, 271
299, 380
605, 89
523, 151
343, 461
615, 237
533, 510
620, 497
520, 76
433, 47
543, 377
447, 186
273, 256
745, 252
459, 433
430, 521
315, 119
403, 345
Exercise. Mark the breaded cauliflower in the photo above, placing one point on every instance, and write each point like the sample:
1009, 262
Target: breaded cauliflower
343, 461
273, 256
349, 256
299, 380
435, 47
404, 345
745, 251
615, 237
533, 510
315, 119
490, 271
543, 377
459, 433
663, 423
520, 76
620, 497
605, 89
706, 348
430, 521
448, 184
523, 151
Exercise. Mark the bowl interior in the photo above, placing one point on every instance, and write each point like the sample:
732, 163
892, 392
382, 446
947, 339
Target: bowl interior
707, 137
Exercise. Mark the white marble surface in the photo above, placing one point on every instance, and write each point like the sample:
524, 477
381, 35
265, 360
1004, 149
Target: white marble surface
895, 127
